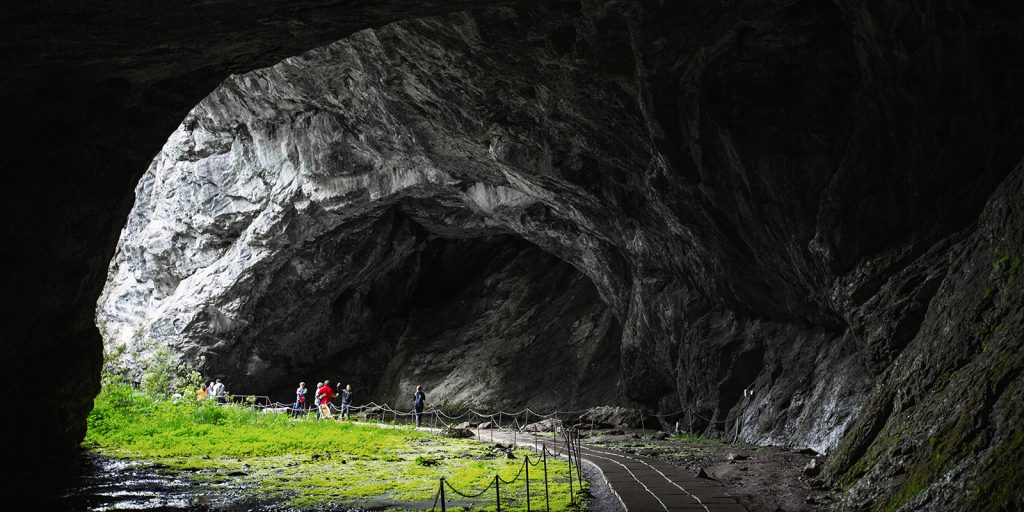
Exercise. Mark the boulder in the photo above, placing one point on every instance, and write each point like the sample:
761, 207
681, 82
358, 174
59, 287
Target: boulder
812, 469
609, 417
548, 425
372, 412
456, 432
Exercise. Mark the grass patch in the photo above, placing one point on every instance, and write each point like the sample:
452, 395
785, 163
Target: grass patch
305, 463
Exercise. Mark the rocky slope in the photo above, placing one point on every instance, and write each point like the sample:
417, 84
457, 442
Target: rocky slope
781, 196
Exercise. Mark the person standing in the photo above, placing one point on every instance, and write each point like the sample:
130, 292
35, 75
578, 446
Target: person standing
300, 400
346, 401
326, 394
218, 391
419, 400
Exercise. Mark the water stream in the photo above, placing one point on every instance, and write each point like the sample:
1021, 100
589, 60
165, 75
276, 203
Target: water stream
98, 483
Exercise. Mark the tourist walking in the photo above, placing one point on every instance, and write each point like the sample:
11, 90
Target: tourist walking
419, 400
300, 400
346, 401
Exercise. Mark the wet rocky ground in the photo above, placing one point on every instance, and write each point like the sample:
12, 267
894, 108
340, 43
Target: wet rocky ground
98, 483
762, 478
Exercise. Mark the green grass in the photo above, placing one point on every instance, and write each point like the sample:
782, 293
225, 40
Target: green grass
306, 463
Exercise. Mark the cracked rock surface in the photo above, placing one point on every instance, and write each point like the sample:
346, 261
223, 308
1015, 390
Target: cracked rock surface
501, 206
649, 204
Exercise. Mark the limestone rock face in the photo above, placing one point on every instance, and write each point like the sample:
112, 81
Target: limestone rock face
564, 209
659, 205
351, 214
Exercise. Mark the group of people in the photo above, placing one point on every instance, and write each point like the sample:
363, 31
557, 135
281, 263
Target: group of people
324, 394
214, 391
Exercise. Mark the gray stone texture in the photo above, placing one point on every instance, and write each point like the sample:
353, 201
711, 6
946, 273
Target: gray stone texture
814, 201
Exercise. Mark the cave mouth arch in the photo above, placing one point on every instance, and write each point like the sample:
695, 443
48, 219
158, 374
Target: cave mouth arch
296, 221
411, 293
484, 320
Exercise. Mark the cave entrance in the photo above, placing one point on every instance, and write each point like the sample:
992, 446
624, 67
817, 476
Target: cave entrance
488, 320
405, 294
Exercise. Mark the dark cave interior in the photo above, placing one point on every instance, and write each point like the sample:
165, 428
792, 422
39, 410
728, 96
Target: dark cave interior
672, 200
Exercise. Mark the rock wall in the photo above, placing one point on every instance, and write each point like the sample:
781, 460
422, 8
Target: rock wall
744, 202
89, 93
292, 221
782, 196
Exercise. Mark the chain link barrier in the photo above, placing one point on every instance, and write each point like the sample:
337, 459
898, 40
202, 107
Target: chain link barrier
570, 448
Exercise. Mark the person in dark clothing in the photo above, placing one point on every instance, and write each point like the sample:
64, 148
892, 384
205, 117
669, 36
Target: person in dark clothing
346, 401
419, 400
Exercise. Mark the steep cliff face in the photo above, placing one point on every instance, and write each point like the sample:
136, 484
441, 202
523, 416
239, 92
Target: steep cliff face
270, 208
89, 93
943, 423
785, 197
771, 204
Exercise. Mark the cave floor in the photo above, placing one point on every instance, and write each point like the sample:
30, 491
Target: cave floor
760, 478
645, 470
640, 482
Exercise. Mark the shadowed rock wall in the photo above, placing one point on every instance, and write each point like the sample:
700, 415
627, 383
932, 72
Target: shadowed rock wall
780, 196
89, 93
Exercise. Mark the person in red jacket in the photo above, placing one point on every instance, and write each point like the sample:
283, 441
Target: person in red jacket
325, 394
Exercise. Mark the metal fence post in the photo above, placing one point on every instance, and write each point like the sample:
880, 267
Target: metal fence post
547, 499
442, 495
572, 495
527, 483
578, 442
497, 492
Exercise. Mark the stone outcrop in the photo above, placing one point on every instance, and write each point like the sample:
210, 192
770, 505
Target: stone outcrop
807, 200
571, 223
339, 213
607, 417
90, 92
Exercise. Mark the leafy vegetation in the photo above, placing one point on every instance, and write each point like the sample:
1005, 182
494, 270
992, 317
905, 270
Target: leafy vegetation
303, 463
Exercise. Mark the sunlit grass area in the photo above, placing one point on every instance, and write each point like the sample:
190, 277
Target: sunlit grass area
311, 464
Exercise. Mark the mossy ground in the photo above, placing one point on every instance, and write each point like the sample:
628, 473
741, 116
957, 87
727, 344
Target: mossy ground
309, 464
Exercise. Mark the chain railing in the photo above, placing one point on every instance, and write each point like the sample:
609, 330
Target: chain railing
572, 452
570, 447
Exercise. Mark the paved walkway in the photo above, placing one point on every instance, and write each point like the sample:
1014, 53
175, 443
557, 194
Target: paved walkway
642, 484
